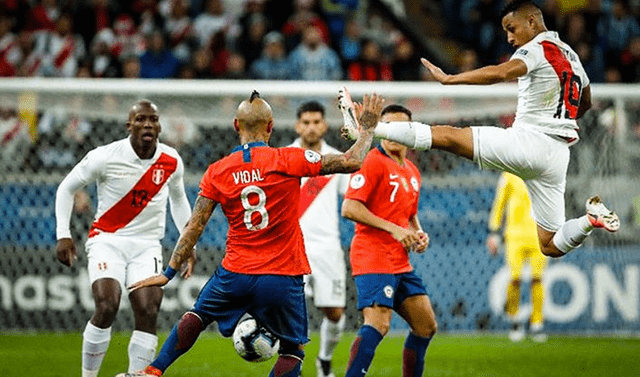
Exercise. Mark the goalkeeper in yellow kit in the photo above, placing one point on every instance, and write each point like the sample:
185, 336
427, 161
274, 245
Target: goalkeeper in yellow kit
521, 243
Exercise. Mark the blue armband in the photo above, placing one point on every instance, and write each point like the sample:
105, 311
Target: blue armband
169, 272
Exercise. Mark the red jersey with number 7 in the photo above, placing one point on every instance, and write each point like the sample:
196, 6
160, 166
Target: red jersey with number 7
258, 188
390, 191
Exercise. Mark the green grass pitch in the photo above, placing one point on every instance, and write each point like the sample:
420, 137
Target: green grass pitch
58, 355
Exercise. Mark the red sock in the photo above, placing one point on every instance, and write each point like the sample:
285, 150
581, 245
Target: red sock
153, 371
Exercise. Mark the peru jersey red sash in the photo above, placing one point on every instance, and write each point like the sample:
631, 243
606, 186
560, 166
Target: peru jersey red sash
570, 85
310, 190
137, 199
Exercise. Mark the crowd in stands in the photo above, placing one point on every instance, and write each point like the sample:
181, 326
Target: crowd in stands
604, 33
295, 39
259, 39
262, 39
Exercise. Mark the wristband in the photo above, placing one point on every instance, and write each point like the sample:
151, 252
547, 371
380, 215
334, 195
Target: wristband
169, 272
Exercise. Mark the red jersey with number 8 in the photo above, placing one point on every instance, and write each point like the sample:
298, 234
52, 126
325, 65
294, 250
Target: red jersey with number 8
258, 188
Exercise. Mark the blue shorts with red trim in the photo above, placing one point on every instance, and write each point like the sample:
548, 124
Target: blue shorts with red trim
388, 290
277, 302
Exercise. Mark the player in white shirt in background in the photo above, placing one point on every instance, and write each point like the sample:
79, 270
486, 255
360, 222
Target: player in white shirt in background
319, 221
135, 177
553, 91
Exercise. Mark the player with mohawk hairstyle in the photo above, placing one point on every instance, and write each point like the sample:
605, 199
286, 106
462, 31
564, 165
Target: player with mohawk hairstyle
553, 91
258, 188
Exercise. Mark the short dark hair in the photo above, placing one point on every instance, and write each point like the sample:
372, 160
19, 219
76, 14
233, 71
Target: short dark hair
516, 5
310, 107
396, 109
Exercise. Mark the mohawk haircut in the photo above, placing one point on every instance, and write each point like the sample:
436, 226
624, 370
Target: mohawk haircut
254, 95
516, 5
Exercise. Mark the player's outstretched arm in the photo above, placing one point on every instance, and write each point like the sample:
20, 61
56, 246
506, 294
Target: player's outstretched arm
352, 159
183, 254
490, 74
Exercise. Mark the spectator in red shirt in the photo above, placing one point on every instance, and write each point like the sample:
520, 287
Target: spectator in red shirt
371, 66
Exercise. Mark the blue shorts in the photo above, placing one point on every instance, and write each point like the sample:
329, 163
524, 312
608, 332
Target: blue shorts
276, 301
388, 290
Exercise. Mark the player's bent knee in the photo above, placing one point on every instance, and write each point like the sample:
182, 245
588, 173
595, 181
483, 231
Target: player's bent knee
107, 306
382, 327
291, 350
551, 251
334, 315
428, 330
147, 312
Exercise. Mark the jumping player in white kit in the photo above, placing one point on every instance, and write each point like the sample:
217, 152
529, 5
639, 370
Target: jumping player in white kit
135, 177
319, 221
553, 91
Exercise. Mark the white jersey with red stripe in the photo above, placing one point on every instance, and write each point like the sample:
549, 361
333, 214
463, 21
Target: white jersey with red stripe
132, 192
549, 94
320, 220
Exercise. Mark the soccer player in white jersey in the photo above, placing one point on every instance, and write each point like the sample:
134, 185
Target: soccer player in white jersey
319, 220
135, 176
553, 91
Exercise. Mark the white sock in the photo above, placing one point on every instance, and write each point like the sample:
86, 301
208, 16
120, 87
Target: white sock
330, 333
95, 342
412, 134
142, 350
572, 234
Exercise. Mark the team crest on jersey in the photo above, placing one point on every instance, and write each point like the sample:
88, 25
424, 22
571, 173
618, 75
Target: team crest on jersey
388, 291
157, 176
405, 186
414, 184
357, 181
312, 156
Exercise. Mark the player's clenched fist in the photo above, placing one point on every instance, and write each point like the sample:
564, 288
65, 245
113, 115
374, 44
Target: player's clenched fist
66, 251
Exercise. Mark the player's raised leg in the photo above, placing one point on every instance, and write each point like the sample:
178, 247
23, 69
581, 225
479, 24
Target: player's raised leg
573, 232
415, 135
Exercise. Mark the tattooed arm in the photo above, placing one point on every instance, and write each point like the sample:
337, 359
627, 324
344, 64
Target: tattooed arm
202, 211
183, 252
352, 159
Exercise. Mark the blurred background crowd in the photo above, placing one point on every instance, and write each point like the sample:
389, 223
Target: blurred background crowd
296, 39
358, 40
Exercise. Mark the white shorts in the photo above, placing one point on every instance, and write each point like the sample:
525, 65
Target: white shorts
327, 283
124, 259
539, 159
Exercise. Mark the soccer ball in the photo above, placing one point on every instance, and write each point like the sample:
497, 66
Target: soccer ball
253, 342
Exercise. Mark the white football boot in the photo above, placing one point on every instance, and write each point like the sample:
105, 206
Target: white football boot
351, 128
601, 217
